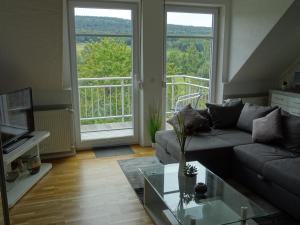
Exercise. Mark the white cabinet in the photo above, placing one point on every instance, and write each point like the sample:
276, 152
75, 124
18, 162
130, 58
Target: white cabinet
288, 101
15, 190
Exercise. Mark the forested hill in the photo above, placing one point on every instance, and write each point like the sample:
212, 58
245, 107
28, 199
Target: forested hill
109, 25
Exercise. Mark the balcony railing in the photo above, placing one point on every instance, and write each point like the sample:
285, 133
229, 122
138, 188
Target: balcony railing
109, 99
184, 89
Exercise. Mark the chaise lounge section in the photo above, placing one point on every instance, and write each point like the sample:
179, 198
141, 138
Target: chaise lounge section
271, 171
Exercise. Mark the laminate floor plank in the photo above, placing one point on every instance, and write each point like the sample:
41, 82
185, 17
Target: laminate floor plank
83, 190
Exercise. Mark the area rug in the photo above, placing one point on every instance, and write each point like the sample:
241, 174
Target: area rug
130, 168
113, 151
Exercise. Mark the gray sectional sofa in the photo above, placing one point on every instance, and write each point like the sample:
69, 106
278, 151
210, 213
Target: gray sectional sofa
271, 170
213, 148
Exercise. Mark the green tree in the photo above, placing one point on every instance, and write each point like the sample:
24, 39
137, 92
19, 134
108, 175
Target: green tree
108, 57
184, 62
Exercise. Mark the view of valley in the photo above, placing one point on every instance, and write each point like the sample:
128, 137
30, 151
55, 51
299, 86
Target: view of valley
104, 51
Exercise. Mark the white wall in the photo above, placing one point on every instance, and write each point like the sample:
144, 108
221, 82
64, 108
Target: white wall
31, 49
251, 21
279, 50
152, 65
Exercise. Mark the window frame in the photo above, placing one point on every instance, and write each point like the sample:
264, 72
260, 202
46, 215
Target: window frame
72, 4
213, 69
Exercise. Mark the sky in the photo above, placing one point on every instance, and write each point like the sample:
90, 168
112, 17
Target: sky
187, 19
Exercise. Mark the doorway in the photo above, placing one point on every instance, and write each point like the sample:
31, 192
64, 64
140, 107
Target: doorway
104, 50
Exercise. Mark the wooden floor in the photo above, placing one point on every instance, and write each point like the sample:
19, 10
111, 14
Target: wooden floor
83, 190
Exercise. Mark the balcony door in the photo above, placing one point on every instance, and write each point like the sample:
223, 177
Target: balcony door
104, 61
190, 52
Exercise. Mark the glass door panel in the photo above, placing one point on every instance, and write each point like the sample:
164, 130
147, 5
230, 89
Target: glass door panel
105, 53
189, 56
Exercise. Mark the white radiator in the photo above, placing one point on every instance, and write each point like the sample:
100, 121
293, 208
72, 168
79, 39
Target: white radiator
59, 122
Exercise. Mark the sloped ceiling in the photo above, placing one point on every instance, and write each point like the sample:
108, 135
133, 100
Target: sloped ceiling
251, 21
276, 52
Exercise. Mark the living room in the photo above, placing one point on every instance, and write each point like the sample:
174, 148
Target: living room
104, 83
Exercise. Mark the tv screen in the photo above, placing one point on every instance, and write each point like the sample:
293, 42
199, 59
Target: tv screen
16, 115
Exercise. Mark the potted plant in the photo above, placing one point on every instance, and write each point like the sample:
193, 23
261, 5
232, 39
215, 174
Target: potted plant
186, 189
190, 170
190, 173
154, 123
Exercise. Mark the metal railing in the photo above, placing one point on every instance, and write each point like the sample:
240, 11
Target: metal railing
182, 89
110, 98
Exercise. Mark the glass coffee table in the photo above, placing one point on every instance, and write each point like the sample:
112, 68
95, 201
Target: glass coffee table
170, 199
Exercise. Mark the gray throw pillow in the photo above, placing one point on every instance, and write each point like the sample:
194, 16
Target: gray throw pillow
268, 128
251, 112
225, 115
193, 121
205, 114
291, 132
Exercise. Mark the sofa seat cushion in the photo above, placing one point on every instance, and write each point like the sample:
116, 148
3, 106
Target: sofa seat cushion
214, 139
236, 137
255, 156
285, 173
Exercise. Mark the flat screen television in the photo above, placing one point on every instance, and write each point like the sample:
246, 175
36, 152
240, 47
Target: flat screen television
16, 115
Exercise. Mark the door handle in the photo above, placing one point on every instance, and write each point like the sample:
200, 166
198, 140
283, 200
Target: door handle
140, 84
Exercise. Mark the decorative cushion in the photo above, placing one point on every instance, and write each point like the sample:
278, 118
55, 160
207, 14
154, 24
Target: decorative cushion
193, 121
291, 132
251, 112
225, 115
268, 128
205, 114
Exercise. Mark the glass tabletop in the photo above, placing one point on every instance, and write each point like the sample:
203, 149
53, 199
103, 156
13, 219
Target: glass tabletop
221, 204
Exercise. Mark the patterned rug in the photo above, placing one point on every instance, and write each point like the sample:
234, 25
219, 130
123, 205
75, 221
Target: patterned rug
130, 169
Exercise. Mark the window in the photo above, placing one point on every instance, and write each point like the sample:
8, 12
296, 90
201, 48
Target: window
190, 49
